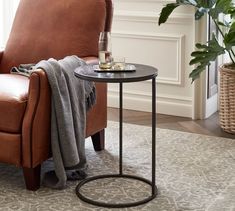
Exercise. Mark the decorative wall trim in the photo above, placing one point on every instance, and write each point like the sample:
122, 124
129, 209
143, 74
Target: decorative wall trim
141, 94
152, 17
161, 1
178, 38
136, 21
155, 1
170, 105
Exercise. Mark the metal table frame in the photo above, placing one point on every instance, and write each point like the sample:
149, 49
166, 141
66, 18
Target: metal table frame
121, 174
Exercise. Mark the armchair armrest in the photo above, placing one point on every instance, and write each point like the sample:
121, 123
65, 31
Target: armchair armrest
36, 123
1, 54
91, 60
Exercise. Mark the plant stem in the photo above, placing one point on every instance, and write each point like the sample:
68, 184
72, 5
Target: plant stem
231, 56
229, 52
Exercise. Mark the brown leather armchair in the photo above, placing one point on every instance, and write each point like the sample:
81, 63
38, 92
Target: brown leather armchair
43, 29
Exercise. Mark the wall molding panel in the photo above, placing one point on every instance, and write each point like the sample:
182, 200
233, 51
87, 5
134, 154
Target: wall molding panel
156, 1
141, 94
137, 36
151, 17
149, 1
177, 38
165, 104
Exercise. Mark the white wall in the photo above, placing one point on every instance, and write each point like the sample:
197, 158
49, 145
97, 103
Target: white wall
137, 36
1, 26
7, 13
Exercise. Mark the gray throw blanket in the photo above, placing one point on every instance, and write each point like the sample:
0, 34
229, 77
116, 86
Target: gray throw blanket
71, 98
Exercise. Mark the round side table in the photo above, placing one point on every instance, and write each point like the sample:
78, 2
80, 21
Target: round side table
142, 73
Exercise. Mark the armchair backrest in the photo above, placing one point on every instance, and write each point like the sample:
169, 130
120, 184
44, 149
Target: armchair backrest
55, 28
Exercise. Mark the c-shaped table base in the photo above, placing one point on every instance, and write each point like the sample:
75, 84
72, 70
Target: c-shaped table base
121, 175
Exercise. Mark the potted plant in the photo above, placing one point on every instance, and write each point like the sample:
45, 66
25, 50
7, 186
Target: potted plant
206, 53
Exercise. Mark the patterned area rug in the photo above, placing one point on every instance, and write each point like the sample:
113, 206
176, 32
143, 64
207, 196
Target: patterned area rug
193, 172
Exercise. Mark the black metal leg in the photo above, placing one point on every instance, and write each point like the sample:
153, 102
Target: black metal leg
120, 126
153, 135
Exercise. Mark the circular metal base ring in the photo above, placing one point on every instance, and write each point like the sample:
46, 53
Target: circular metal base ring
116, 205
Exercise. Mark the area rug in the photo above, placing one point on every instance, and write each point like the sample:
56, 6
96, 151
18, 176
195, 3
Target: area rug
193, 172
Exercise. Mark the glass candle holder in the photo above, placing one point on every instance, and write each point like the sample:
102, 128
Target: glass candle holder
118, 63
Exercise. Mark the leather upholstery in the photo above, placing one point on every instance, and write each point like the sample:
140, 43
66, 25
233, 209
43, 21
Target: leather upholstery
36, 123
76, 28
109, 15
10, 148
37, 34
13, 101
98, 112
1, 54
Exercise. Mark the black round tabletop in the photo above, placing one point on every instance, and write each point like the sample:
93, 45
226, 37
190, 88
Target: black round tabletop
142, 73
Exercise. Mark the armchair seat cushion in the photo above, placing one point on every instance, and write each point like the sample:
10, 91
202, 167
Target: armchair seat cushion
13, 101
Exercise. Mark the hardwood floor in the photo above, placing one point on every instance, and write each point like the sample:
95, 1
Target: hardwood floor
208, 126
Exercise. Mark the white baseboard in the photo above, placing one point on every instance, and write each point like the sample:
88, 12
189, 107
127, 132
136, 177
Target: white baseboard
144, 103
175, 109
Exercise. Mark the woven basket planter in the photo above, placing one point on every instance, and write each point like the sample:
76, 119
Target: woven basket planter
227, 99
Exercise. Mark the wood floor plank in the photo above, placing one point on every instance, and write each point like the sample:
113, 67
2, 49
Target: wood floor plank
193, 127
208, 126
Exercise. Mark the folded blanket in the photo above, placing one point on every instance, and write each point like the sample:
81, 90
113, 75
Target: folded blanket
68, 120
71, 98
23, 69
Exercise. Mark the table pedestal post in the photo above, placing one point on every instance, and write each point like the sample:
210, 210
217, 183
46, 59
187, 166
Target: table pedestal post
153, 136
120, 126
